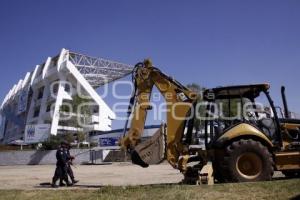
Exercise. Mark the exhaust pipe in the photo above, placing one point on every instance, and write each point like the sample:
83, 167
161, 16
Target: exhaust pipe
285, 106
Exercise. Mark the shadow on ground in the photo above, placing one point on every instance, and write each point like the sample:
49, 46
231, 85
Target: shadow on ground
48, 185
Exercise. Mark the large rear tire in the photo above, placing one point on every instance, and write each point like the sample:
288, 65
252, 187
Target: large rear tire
245, 161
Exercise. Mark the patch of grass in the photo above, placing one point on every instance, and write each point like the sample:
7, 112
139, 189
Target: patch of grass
283, 189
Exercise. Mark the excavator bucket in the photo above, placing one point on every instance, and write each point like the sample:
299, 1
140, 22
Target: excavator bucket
151, 151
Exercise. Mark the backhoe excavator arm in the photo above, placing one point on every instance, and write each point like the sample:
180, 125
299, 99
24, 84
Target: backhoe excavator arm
179, 103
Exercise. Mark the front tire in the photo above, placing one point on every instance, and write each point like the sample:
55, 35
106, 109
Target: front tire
247, 160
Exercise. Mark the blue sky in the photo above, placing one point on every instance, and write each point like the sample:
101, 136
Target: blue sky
211, 43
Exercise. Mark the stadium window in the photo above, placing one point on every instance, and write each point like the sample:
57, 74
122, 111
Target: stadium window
55, 88
67, 87
36, 112
40, 92
48, 107
96, 109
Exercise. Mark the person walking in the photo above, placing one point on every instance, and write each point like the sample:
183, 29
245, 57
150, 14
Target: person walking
61, 165
70, 172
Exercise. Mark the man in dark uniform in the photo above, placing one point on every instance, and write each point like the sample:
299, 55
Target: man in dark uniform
70, 159
61, 165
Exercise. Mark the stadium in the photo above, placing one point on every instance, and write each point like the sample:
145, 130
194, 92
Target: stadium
39, 105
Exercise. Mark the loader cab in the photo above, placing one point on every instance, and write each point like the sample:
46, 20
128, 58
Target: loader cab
247, 137
228, 107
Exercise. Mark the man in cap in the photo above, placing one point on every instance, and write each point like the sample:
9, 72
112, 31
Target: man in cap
70, 159
61, 165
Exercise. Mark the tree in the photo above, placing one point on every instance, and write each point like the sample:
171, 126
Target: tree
79, 111
80, 137
52, 142
80, 107
69, 138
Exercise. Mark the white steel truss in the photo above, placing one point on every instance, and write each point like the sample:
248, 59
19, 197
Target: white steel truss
98, 71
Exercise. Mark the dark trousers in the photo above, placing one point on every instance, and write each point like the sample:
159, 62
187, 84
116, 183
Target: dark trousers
69, 172
60, 173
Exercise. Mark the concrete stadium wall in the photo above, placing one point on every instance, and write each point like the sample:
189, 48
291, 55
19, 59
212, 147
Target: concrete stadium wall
40, 157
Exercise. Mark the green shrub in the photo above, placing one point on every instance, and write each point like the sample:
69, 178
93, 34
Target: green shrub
52, 143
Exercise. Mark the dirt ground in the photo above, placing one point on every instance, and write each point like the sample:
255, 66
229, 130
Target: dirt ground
90, 176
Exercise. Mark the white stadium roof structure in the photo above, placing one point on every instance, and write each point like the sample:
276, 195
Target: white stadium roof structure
98, 71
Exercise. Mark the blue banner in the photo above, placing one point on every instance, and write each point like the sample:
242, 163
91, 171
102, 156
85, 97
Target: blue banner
106, 142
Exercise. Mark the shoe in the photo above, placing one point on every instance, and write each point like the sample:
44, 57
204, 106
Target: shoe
62, 184
54, 186
75, 181
69, 184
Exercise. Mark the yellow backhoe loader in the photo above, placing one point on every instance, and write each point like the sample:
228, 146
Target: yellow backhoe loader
238, 147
